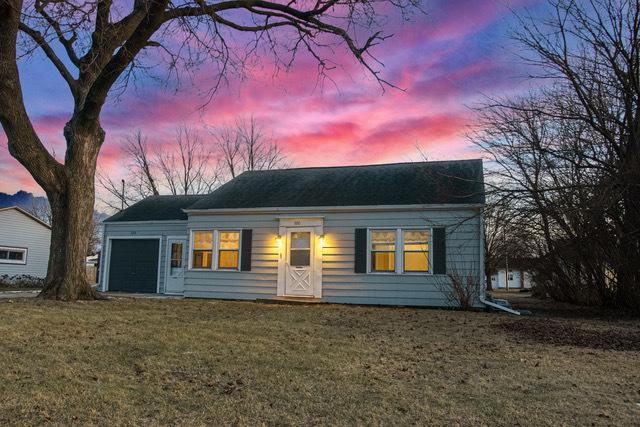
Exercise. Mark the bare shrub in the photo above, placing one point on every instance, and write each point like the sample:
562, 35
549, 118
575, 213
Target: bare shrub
462, 290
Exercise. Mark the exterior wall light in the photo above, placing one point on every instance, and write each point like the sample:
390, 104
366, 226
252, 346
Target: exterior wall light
322, 241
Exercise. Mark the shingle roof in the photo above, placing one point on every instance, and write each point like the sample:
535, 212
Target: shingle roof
156, 208
444, 182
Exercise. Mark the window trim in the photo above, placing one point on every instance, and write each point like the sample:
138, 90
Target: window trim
399, 252
23, 261
370, 251
215, 244
429, 250
191, 249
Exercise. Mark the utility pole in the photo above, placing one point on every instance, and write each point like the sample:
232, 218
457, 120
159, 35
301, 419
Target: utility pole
506, 259
122, 198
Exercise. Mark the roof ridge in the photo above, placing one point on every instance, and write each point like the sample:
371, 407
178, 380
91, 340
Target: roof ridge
364, 166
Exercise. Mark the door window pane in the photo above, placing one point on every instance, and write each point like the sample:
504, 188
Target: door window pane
301, 240
300, 257
176, 255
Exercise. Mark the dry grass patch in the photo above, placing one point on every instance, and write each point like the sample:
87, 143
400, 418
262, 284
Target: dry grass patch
192, 362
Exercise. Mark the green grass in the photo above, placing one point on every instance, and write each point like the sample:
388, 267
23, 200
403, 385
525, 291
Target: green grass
194, 362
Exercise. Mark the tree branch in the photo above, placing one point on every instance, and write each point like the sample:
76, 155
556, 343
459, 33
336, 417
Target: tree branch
46, 48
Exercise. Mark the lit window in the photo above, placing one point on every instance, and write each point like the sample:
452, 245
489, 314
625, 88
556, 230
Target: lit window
202, 249
13, 255
416, 250
228, 250
383, 250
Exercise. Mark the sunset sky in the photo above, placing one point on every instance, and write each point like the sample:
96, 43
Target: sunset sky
446, 61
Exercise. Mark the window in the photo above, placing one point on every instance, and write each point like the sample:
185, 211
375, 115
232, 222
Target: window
13, 255
416, 251
202, 249
510, 276
300, 250
228, 250
176, 257
383, 250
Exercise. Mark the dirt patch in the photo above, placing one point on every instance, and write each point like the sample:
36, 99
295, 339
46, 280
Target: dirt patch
566, 334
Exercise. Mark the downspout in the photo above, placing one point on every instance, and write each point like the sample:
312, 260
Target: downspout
499, 307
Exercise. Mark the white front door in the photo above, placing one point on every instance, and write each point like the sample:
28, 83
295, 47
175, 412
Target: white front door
175, 266
299, 262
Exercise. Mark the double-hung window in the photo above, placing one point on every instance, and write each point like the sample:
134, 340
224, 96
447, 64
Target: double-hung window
415, 251
219, 249
228, 250
10, 255
202, 249
383, 251
399, 250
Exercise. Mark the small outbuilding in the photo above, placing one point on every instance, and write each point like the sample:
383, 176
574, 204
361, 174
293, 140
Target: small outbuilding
378, 234
24, 243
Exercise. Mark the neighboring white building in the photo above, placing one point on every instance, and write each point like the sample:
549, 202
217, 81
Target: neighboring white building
517, 278
24, 243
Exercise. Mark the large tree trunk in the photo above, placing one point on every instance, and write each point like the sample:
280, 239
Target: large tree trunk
72, 216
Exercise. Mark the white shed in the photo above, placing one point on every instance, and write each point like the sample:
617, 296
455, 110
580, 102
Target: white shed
24, 243
517, 278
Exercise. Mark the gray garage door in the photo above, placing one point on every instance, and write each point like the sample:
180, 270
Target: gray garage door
133, 265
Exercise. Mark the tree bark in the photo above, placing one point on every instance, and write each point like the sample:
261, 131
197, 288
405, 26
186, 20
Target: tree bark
72, 216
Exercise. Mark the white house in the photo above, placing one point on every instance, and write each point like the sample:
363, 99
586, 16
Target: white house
24, 243
376, 234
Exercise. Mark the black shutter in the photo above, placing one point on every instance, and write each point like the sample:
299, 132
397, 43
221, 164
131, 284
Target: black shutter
361, 250
245, 258
439, 251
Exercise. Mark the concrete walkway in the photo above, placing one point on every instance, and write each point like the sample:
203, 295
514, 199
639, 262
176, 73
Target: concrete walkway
19, 294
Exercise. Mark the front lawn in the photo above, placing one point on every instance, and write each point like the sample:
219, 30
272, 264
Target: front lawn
195, 362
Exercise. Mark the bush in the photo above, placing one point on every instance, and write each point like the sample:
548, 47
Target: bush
21, 281
462, 289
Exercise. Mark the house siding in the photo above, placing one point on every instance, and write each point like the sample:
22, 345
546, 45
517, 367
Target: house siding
137, 230
260, 282
18, 230
340, 284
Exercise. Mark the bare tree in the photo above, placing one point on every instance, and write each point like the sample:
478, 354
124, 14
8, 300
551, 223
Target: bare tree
42, 211
245, 147
568, 155
190, 168
137, 150
97, 46
186, 167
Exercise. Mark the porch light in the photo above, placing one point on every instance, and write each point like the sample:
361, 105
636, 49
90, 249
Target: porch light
322, 241
279, 241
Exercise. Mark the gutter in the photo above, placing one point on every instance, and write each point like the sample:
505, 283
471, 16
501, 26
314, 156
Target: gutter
315, 209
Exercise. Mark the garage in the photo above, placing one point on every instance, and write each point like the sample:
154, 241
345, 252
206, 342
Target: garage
133, 265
